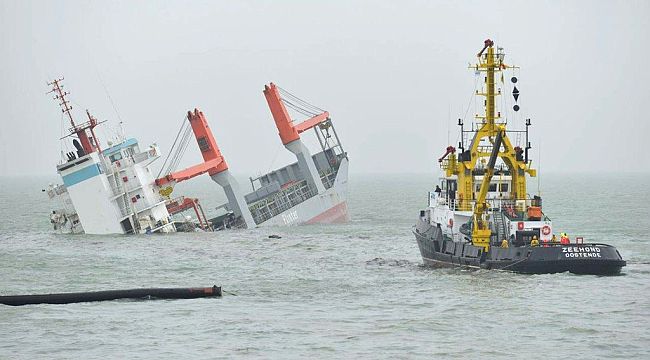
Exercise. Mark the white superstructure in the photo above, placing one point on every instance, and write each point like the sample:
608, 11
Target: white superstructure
505, 216
109, 191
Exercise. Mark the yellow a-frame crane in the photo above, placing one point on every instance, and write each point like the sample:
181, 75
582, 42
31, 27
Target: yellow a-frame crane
480, 230
463, 167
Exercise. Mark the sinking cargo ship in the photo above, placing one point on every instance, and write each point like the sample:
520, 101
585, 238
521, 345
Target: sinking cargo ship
481, 215
113, 191
310, 191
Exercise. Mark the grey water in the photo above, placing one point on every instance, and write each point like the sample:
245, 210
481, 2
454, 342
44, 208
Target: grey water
355, 290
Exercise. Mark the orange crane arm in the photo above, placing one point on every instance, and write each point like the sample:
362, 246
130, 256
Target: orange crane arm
288, 131
213, 161
450, 150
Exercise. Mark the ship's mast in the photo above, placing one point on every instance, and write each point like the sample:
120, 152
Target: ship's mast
84, 132
59, 94
488, 65
484, 144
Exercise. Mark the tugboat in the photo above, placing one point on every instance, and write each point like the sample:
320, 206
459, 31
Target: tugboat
481, 216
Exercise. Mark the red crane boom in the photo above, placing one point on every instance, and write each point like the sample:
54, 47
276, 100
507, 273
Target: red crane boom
288, 131
213, 161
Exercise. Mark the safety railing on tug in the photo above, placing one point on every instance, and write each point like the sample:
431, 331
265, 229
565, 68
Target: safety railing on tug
512, 208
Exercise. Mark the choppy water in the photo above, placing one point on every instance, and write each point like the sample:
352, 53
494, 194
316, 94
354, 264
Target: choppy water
356, 290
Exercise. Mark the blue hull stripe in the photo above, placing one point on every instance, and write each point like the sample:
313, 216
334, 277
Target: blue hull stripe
81, 175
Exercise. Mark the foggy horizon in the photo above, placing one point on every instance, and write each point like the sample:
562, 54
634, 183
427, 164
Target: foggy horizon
394, 78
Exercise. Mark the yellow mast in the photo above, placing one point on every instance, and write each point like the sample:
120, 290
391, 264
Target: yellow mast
463, 167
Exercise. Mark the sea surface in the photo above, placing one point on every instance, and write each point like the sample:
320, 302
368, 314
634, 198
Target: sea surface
356, 290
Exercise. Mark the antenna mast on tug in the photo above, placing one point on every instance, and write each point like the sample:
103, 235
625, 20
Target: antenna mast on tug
494, 137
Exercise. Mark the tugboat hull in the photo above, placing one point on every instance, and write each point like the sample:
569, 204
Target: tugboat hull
584, 259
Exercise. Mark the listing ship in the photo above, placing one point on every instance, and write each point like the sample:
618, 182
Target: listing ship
312, 190
481, 215
105, 190
113, 191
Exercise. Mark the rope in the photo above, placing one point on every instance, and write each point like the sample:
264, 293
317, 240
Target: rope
101, 81
62, 143
514, 263
303, 106
298, 100
277, 151
180, 151
183, 124
299, 109
471, 98
299, 105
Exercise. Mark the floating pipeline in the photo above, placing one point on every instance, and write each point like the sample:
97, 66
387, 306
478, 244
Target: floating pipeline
108, 295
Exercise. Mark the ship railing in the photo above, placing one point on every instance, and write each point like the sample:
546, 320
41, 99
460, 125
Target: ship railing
328, 178
56, 190
454, 204
444, 164
281, 201
113, 166
516, 209
152, 153
117, 188
118, 185
468, 205
549, 243
484, 149
513, 209
435, 199
142, 156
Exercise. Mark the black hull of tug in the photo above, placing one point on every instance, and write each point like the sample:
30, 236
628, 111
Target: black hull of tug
586, 259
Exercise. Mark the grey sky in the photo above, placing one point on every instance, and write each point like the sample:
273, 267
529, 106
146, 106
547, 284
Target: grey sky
392, 74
